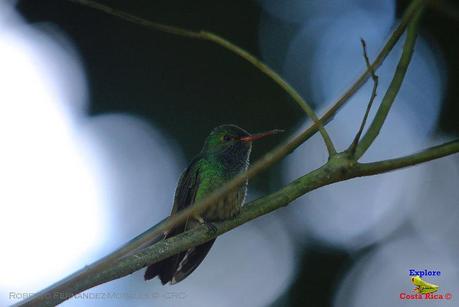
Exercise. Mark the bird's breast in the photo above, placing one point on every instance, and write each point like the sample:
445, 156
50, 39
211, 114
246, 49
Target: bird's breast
228, 207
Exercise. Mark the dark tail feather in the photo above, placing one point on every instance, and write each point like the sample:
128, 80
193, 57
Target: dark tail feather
178, 267
159, 269
165, 269
190, 261
153, 270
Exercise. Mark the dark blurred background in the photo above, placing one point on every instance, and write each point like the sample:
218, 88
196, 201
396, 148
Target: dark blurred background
183, 88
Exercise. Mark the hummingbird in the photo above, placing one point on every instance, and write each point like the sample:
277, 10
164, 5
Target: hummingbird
225, 154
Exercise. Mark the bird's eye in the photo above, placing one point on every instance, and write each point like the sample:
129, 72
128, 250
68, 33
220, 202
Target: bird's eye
227, 138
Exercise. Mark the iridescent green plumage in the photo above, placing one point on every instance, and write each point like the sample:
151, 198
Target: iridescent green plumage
224, 155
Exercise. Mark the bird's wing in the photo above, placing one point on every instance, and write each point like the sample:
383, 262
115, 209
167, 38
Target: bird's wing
177, 267
187, 187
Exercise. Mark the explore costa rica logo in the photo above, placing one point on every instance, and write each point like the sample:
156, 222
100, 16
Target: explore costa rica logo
424, 290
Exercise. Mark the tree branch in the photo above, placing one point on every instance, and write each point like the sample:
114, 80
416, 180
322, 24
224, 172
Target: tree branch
339, 168
65, 286
421, 157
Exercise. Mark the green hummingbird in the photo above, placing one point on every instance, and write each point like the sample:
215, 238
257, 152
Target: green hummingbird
225, 154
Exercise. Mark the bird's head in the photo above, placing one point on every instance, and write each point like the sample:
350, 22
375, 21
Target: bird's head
231, 144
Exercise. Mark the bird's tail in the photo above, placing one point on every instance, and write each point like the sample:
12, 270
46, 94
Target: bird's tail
155, 269
176, 268
165, 268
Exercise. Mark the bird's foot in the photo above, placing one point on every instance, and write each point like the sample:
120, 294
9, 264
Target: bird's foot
211, 227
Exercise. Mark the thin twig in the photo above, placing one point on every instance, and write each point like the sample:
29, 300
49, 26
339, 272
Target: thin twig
414, 6
394, 87
375, 79
208, 36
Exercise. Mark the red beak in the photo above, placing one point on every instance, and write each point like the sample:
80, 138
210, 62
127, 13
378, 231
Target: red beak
261, 135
